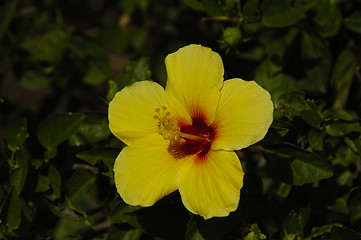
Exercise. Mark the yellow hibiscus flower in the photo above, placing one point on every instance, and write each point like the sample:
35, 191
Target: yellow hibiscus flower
184, 137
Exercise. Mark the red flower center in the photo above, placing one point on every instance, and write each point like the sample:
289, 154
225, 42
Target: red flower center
196, 139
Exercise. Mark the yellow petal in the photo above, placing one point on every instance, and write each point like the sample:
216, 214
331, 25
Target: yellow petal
195, 77
211, 186
144, 172
132, 110
244, 114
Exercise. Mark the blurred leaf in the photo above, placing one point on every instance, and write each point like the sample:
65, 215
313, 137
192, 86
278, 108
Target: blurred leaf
250, 10
354, 205
7, 12
115, 234
275, 134
315, 139
15, 133
275, 84
212, 7
97, 73
192, 231
95, 127
113, 89
316, 58
295, 166
27, 209
312, 118
328, 18
63, 211
34, 80
253, 233
79, 184
58, 127
195, 4
340, 128
342, 233
18, 176
354, 145
292, 227
281, 14
232, 36
318, 74
42, 183
11, 209
313, 47
65, 228
353, 22
293, 103
106, 155
116, 214
134, 72
342, 75
48, 47
319, 231
55, 181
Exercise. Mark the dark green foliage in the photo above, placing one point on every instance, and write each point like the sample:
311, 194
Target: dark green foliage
61, 63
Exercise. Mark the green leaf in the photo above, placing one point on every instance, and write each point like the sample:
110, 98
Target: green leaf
292, 227
106, 155
281, 14
15, 133
342, 75
63, 211
312, 118
35, 80
354, 145
97, 73
55, 181
117, 234
313, 47
79, 184
65, 228
113, 89
353, 22
57, 128
275, 84
134, 234
293, 165
192, 231
48, 47
11, 209
212, 7
315, 139
326, 10
342, 233
319, 231
354, 205
6, 13
95, 127
195, 4
275, 134
116, 214
134, 72
253, 232
250, 10
42, 183
18, 176
316, 59
340, 128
